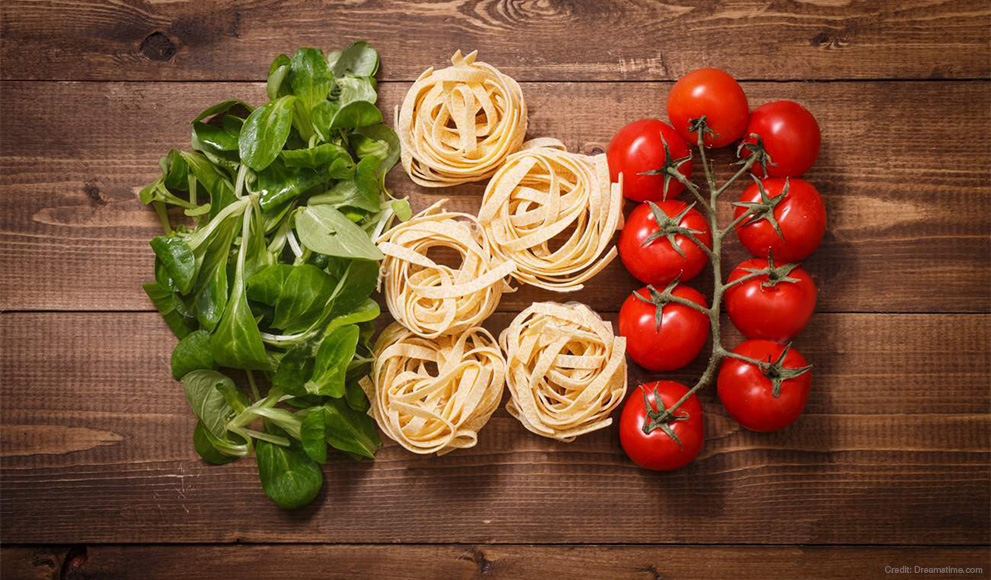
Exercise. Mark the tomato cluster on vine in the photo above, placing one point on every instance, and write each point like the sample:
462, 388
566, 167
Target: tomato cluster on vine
779, 218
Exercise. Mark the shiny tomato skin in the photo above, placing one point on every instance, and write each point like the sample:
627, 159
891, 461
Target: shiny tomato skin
657, 450
715, 94
638, 148
777, 312
658, 263
679, 340
790, 135
746, 393
801, 217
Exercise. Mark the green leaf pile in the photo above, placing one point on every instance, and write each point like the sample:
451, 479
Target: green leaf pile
267, 266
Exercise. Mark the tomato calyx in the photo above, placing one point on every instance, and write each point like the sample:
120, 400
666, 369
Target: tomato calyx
665, 297
661, 418
763, 209
775, 274
757, 151
699, 125
670, 165
669, 227
775, 370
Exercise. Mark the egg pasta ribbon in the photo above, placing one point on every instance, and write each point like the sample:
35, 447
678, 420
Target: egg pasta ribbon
553, 214
566, 370
433, 299
433, 396
458, 124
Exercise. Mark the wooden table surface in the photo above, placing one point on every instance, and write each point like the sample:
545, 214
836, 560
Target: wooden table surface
888, 467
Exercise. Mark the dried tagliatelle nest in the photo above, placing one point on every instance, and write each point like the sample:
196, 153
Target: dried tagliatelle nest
433, 299
552, 213
433, 396
566, 369
459, 123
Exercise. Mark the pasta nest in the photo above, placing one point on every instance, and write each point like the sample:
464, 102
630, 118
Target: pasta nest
539, 194
458, 124
566, 370
433, 299
434, 395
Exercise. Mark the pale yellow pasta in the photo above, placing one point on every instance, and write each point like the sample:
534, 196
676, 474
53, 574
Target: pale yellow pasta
566, 370
433, 396
458, 124
433, 299
543, 193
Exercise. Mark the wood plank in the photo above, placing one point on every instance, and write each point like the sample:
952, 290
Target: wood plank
893, 449
902, 187
453, 562
582, 40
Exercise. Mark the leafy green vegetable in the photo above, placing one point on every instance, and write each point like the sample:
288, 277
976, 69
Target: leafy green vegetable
203, 391
272, 269
333, 356
265, 132
324, 229
289, 477
192, 354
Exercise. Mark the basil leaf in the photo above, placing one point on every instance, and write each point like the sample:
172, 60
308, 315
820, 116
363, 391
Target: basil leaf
202, 388
219, 187
333, 357
265, 132
323, 229
289, 477
313, 435
193, 353
175, 170
309, 76
237, 342
178, 260
351, 431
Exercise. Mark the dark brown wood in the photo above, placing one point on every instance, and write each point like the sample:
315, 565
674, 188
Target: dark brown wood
454, 562
893, 449
584, 40
906, 190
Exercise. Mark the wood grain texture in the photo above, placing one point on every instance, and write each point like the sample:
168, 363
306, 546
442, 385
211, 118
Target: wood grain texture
579, 40
903, 188
494, 562
893, 449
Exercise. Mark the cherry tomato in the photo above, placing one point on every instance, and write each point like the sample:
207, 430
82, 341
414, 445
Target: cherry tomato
637, 149
676, 340
667, 445
747, 391
800, 215
776, 305
714, 94
646, 249
790, 135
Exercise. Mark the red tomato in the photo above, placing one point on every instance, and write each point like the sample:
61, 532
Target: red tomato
673, 342
646, 248
637, 149
651, 445
714, 94
800, 215
775, 310
747, 391
790, 135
